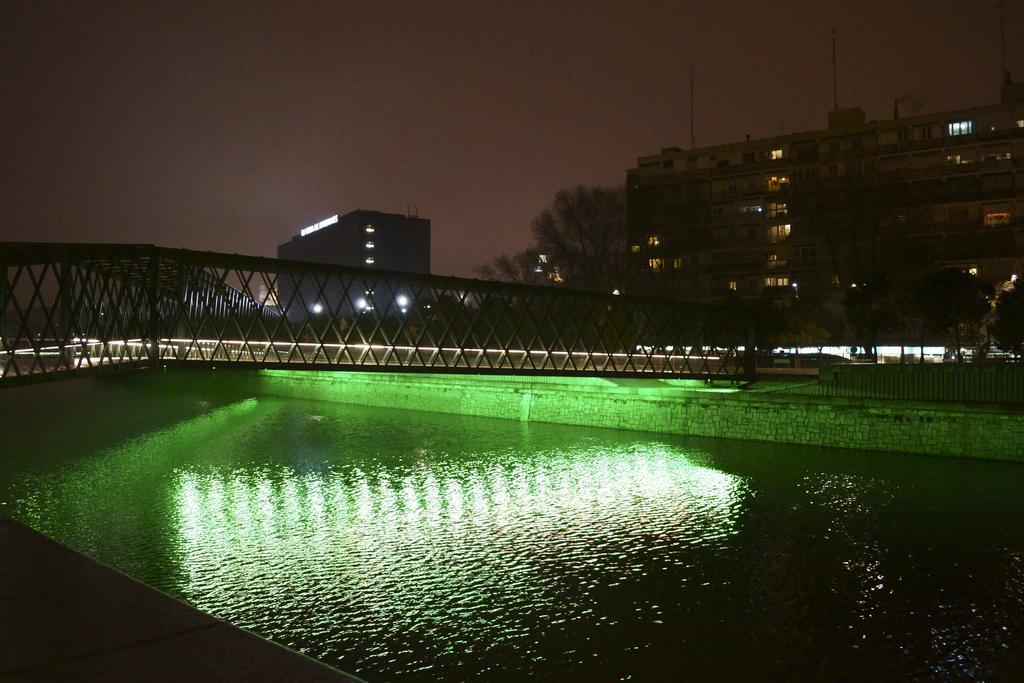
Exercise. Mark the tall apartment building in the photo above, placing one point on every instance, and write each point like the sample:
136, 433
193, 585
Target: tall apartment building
814, 212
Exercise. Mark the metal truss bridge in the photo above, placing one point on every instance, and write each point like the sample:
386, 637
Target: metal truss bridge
72, 309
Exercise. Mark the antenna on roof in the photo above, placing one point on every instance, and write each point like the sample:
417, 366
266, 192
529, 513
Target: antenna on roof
1005, 75
835, 80
693, 143
417, 214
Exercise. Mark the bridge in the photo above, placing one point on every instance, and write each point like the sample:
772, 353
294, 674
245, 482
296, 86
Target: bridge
73, 309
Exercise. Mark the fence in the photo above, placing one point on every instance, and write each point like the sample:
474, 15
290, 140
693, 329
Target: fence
975, 382
69, 309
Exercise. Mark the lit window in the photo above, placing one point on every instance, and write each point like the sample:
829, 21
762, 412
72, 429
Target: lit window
732, 285
677, 263
635, 248
369, 245
997, 217
369, 260
1020, 123
543, 258
961, 127
955, 160
369, 229
777, 209
777, 233
749, 208
656, 264
772, 258
777, 182
653, 240
775, 281
775, 154
973, 270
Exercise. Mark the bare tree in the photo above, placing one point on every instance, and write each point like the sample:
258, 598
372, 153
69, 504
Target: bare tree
521, 268
580, 240
583, 234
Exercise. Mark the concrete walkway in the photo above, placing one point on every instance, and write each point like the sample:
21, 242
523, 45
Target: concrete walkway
64, 616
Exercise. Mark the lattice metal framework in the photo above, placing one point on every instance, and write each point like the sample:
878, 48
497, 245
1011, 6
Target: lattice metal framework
69, 309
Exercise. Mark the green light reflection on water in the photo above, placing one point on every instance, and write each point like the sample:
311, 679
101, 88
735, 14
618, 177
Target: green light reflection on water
442, 541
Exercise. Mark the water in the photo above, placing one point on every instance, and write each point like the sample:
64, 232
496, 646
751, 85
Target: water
413, 546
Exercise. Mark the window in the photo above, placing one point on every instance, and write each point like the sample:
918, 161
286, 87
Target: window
773, 258
748, 157
777, 209
369, 229
634, 248
777, 182
369, 260
666, 164
997, 217
961, 127
543, 258
777, 233
959, 215
775, 154
776, 281
723, 162
972, 270
677, 263
653, 240
954, 160
369, 245
656, 264
732, 285
1020, 123
749, 208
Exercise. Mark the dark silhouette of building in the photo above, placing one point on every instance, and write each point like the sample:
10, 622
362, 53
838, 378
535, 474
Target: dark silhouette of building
815, 212
367, 239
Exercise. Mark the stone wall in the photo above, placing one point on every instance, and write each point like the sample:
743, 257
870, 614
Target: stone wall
680, 407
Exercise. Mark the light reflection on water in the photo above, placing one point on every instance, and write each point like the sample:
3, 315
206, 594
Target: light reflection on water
408, 545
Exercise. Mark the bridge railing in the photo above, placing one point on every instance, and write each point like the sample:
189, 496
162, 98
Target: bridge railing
75, 308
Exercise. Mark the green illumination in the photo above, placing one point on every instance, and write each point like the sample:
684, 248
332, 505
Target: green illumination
413, 545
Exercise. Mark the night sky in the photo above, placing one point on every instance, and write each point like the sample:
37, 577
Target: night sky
230, 126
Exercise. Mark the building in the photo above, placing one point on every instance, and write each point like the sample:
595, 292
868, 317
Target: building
814, 212
365, 239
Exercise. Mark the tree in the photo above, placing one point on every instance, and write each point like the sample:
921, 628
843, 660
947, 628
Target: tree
802, 326
1008, 328
953, 300
870, 312
582, 236
522, 268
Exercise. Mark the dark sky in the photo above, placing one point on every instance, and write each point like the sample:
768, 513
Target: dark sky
230, 126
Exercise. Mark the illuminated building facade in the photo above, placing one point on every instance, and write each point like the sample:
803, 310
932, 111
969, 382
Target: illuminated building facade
817, 211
